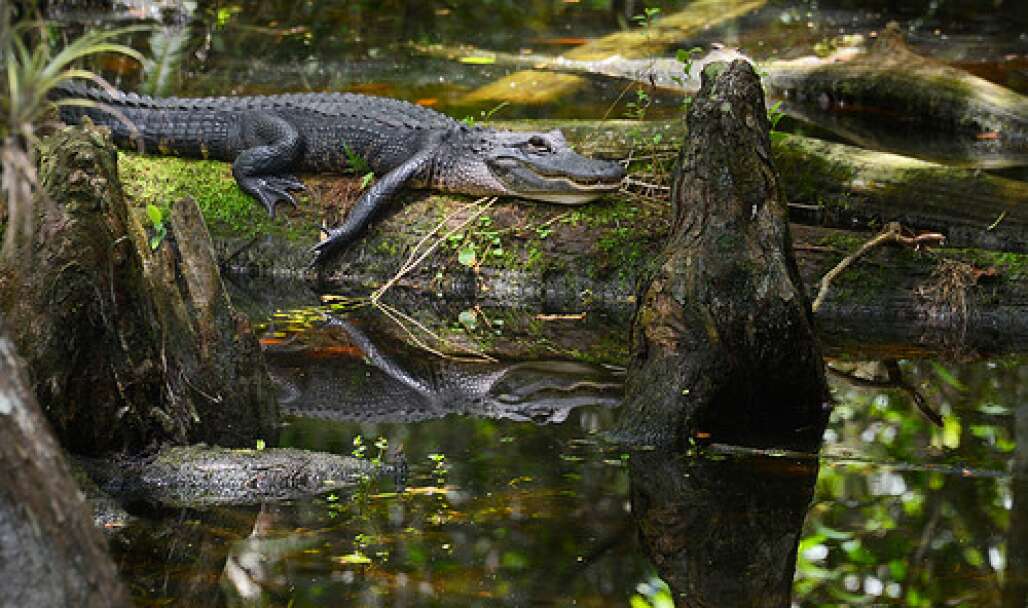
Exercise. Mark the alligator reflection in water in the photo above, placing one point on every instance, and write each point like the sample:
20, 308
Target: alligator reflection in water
384, 385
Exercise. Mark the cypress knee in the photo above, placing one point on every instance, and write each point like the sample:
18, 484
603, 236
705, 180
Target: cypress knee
723, 342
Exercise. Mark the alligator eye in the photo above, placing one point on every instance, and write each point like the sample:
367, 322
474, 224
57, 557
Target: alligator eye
539, 142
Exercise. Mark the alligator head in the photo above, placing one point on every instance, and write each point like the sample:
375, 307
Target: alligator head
546, 391
532, 164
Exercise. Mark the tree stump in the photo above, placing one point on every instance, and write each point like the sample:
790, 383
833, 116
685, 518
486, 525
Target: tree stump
50, 553
127, 347
723, 343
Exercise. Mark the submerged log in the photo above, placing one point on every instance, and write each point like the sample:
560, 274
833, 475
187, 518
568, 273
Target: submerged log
128, 347
723, 342
200, 476
50, 553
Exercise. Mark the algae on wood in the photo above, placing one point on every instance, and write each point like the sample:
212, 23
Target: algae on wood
534, 87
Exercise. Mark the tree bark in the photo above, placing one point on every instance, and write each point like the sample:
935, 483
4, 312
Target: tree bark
128, 347
50, 553
723, 342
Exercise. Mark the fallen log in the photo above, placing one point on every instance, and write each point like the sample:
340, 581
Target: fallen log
570, 259
534, 87
827, 184
885, 97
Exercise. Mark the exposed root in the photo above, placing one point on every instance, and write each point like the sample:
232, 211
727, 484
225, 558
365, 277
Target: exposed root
891, 234
948, 286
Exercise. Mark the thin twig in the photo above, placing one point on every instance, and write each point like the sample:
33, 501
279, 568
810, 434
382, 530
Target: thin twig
894, 380
400, 318
892, 233
411, 264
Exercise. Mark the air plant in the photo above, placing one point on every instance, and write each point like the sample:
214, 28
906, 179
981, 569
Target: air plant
32, 69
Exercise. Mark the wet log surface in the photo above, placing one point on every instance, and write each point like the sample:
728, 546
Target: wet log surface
128, 347
723, 340
50, 553
201, 476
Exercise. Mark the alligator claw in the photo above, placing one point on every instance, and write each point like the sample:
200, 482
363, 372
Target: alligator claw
334, 242
269, 190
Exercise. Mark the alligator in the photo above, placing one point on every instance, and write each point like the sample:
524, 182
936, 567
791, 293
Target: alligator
270, 138
384, 385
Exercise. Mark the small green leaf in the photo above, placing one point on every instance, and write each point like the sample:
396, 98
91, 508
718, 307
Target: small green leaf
367, 179
467, 255
478, 60
155, 214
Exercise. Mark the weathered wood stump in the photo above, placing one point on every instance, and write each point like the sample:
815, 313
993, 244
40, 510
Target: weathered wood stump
128, 347
50, 553
723, 341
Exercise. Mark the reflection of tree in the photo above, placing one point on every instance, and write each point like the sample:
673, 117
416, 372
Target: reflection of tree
722, 532
925, 516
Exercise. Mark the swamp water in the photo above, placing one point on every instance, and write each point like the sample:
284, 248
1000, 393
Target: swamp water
503, 512
508, 512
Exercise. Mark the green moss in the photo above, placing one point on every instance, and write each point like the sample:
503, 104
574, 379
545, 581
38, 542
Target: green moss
228, 211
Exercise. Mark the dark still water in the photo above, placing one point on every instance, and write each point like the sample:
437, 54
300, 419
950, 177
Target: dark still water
513, 499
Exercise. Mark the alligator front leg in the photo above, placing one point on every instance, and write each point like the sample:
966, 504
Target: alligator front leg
370, 203
263, 170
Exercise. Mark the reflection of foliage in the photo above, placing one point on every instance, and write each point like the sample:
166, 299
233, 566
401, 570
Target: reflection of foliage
929, 528
654, 593
167, 49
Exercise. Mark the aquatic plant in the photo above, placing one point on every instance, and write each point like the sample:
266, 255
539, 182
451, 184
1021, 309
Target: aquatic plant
33, 66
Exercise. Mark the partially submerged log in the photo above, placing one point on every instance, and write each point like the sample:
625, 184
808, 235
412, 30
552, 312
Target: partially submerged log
865, 97
128, 347
200, 476
723, 342
50, 553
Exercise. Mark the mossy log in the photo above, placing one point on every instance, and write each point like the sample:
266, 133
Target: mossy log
128, 347
201, 476
570, 259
